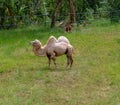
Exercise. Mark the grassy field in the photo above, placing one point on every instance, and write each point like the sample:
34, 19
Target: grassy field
94, 79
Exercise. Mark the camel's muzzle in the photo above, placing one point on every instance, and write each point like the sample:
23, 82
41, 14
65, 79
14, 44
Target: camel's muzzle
31, 42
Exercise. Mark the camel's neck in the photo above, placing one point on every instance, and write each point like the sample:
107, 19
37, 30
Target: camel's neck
40, 51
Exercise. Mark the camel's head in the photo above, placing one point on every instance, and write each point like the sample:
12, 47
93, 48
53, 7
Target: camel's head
36, 43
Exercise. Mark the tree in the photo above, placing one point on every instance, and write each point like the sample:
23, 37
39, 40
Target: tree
2, 14
72, 12
58, 4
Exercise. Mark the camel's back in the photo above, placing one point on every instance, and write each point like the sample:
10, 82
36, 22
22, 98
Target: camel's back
51, 41
63, 39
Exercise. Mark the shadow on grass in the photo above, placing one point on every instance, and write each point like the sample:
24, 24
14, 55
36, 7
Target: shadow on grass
57, 69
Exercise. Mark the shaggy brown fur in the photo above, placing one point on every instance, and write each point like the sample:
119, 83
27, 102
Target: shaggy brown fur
66, 26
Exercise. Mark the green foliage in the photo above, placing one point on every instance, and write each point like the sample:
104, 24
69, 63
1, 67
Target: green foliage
114, 10
14, 13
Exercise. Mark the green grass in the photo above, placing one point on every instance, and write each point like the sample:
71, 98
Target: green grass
94, 78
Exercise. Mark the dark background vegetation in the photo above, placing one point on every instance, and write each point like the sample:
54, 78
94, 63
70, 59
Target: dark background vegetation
14, 13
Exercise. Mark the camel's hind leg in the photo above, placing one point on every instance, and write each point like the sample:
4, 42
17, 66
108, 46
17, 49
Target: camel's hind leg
68, 61
71, 61
69, 56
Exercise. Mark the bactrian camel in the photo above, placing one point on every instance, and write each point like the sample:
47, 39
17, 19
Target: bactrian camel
53, 48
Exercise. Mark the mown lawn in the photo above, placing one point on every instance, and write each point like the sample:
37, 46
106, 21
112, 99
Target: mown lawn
94, 79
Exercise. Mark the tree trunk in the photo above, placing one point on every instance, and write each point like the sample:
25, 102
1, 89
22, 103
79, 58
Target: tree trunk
2, 23
12, 24
72, 11
58, 4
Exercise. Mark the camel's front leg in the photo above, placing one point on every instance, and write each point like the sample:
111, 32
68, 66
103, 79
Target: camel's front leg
54, 59
49, 60
71, 61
